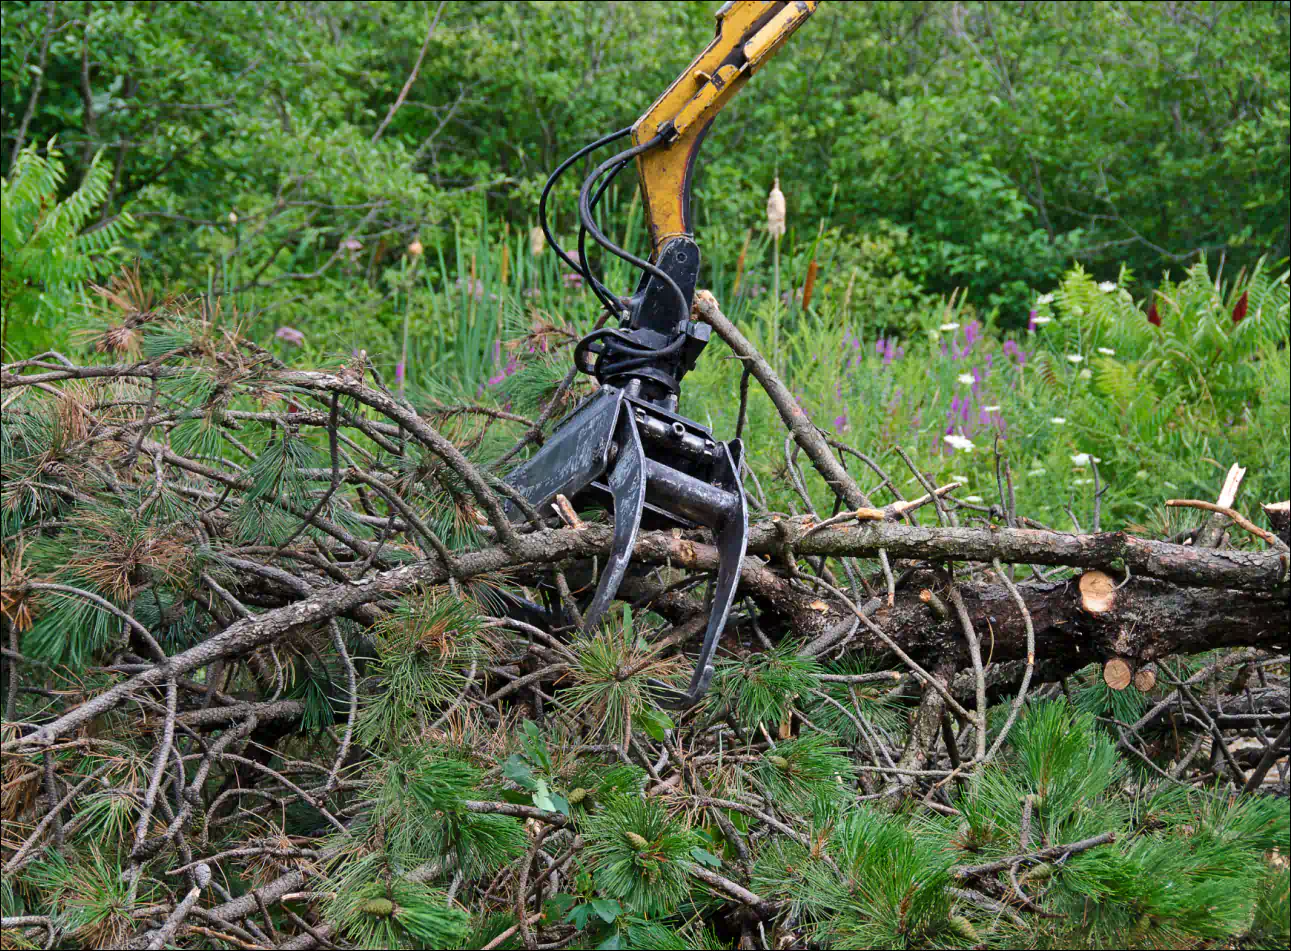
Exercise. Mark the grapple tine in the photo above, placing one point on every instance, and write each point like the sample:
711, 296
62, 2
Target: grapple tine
628, 486
732, 540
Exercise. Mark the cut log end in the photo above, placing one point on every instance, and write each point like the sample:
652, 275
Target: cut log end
1145, 678
1117, 673
1097, 592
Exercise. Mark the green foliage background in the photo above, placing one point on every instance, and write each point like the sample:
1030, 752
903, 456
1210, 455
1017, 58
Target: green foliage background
1005, 140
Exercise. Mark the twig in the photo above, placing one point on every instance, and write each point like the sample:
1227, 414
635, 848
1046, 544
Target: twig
1236, 516
181, 911
416, 67
1042, 855
1276, 749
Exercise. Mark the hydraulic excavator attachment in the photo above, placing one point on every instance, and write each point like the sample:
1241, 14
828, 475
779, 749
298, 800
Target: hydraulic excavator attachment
625, 447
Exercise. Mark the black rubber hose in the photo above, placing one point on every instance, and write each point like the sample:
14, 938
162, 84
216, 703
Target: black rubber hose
617, 342
606, 296
585, 216
551, 183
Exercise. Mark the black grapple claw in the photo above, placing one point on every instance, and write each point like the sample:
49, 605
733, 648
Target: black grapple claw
650, 467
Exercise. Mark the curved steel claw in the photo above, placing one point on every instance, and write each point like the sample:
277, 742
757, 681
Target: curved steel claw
628, 486
732, 530
687, 479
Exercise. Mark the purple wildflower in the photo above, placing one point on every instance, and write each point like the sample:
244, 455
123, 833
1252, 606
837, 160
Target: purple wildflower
1013, 350
290, 335
398, 372
889, 350
972, 333
840, 423
510, 368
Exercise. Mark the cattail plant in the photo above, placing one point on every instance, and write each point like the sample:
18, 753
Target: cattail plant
775, 228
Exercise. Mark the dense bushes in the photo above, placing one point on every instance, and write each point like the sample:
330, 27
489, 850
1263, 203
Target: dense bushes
1004, 140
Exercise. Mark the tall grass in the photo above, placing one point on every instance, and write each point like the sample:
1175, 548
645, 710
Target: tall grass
877, 364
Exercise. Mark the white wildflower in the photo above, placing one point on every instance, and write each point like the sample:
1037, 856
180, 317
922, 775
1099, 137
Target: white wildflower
1082, 481
959, 443
1086, 374
966, 378
991, 409
958, 478
949, 327
1107, 286
1044, 299
1039, 320
1075, 358
1107, 351
1035, 472
973, 498
1059, 420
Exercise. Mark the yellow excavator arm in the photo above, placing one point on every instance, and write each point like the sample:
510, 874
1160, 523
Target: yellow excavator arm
749, 32
626, 447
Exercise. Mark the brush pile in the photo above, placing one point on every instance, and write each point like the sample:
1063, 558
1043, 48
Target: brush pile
260, 691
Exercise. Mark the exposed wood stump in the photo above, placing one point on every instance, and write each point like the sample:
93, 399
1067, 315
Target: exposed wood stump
1117, 673
1145, 678
1097, 592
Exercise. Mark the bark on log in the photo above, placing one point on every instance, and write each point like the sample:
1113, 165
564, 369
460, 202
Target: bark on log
1152, 619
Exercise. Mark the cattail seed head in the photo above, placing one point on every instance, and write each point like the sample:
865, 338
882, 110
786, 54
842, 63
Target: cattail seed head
775, 210
537, 241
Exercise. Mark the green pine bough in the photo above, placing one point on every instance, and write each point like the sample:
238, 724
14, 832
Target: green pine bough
259, 680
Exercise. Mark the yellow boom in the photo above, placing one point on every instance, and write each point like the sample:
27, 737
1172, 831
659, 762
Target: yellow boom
749, 32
